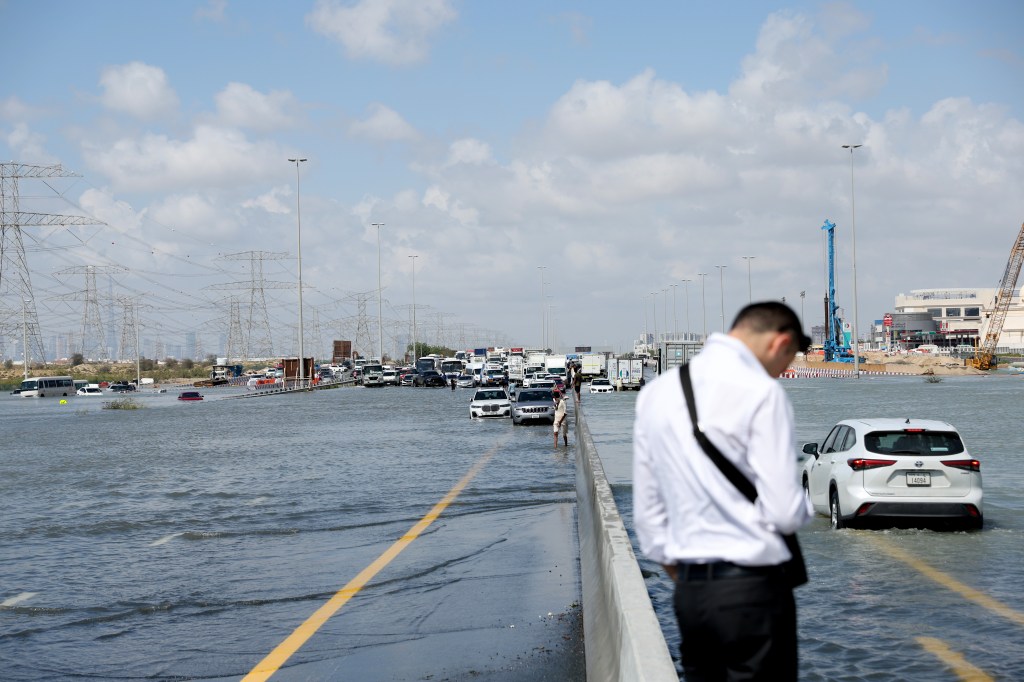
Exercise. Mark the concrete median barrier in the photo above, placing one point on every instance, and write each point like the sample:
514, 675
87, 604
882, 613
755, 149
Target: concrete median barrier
622, 636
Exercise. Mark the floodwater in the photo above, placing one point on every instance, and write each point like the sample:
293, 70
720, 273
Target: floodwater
879, 603
187, 540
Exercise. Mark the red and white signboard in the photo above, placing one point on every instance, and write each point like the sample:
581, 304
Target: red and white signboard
887, 320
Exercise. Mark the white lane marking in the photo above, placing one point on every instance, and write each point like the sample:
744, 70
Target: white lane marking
18, 598
165, 540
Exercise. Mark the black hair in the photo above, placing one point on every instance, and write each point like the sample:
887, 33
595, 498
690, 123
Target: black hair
772, 316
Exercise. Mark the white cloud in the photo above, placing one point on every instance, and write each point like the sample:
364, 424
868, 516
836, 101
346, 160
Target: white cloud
468, 151
382, 124
118, 215
240, 105
29, 145
272, 201
195, 215
138, 89
390, 31
13, 108
213, 156
794, 63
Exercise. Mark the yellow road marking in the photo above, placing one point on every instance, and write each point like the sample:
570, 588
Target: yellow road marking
276, 658
954, 659
949, 582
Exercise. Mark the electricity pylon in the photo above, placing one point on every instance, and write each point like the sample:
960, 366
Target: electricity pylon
256, 339
17, 300
93, 335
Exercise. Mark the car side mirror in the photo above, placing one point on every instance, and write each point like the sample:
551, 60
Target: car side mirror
811, 449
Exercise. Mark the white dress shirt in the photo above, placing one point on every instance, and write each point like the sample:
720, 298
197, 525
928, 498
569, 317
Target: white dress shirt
684, 508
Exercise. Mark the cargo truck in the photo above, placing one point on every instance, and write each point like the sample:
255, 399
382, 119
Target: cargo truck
625, 373
516, 367
593, 364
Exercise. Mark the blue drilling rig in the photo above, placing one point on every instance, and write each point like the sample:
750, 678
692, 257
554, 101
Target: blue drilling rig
836, 348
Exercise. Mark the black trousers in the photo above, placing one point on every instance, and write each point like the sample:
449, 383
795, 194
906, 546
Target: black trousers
736, 627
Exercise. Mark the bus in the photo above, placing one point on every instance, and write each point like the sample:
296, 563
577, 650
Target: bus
40, 387
428, 362
450, 367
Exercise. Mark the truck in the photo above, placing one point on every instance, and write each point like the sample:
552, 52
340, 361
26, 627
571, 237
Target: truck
516, 369
373, 374
625, 373
592, 364
555, 364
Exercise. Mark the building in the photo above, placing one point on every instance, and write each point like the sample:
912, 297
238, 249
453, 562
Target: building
951, 317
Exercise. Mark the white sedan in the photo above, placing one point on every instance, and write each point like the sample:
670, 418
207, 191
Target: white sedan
601, 386
490, 403
892, 471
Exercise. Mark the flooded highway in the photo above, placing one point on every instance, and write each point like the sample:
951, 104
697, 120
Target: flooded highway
890, 604
191, 540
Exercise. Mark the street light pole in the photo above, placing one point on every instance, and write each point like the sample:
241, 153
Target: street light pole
298, 220
654, 316
750, 296
703, 304
803, 295
665, 292
414, 356
24, 335
543, 311
380, 316
686, 287
721, 290
647, 335
853, 230
675, 321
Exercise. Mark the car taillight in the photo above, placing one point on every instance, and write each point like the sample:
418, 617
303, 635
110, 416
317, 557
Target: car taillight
861, 463
965, 464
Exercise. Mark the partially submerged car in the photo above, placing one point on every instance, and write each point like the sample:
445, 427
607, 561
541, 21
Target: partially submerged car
894, 471
533, 405
490, 402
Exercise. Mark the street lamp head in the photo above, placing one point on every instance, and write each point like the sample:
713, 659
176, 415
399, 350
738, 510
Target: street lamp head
296, 160
851, 147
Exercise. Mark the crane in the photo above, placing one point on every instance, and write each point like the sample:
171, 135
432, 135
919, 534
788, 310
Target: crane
836, 349
983, 356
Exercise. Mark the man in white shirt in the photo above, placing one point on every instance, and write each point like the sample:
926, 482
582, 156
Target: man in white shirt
736, 611
560, 425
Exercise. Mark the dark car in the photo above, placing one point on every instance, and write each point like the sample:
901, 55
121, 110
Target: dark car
121, 387
430, 377
533, 404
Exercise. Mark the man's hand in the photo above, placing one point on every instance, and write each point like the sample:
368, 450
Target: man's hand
671, 570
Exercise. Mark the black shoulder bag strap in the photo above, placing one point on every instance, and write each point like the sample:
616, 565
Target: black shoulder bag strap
795, 570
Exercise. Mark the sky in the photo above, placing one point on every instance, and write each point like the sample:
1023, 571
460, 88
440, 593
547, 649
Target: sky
561, 170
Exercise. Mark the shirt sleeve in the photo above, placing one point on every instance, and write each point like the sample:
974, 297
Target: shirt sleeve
650, 517
781, 500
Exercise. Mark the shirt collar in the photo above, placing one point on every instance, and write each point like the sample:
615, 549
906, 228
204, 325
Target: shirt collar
731, 344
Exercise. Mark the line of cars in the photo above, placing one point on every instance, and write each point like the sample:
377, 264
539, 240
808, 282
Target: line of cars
894, 472
527, 405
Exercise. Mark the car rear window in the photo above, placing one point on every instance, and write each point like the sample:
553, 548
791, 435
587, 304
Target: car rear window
914, 442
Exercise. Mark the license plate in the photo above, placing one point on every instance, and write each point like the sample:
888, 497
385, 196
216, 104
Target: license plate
919, 479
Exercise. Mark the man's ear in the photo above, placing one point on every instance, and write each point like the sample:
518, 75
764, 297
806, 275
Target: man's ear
782, 342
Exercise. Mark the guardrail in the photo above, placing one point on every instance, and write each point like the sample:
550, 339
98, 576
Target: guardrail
623, 639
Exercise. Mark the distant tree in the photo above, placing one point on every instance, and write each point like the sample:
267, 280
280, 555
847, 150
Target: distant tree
188, 363
77, 359
211, 359
103, 369
8, 363
147, 364
171, 363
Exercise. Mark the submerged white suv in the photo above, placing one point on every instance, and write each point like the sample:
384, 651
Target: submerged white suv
893, 471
